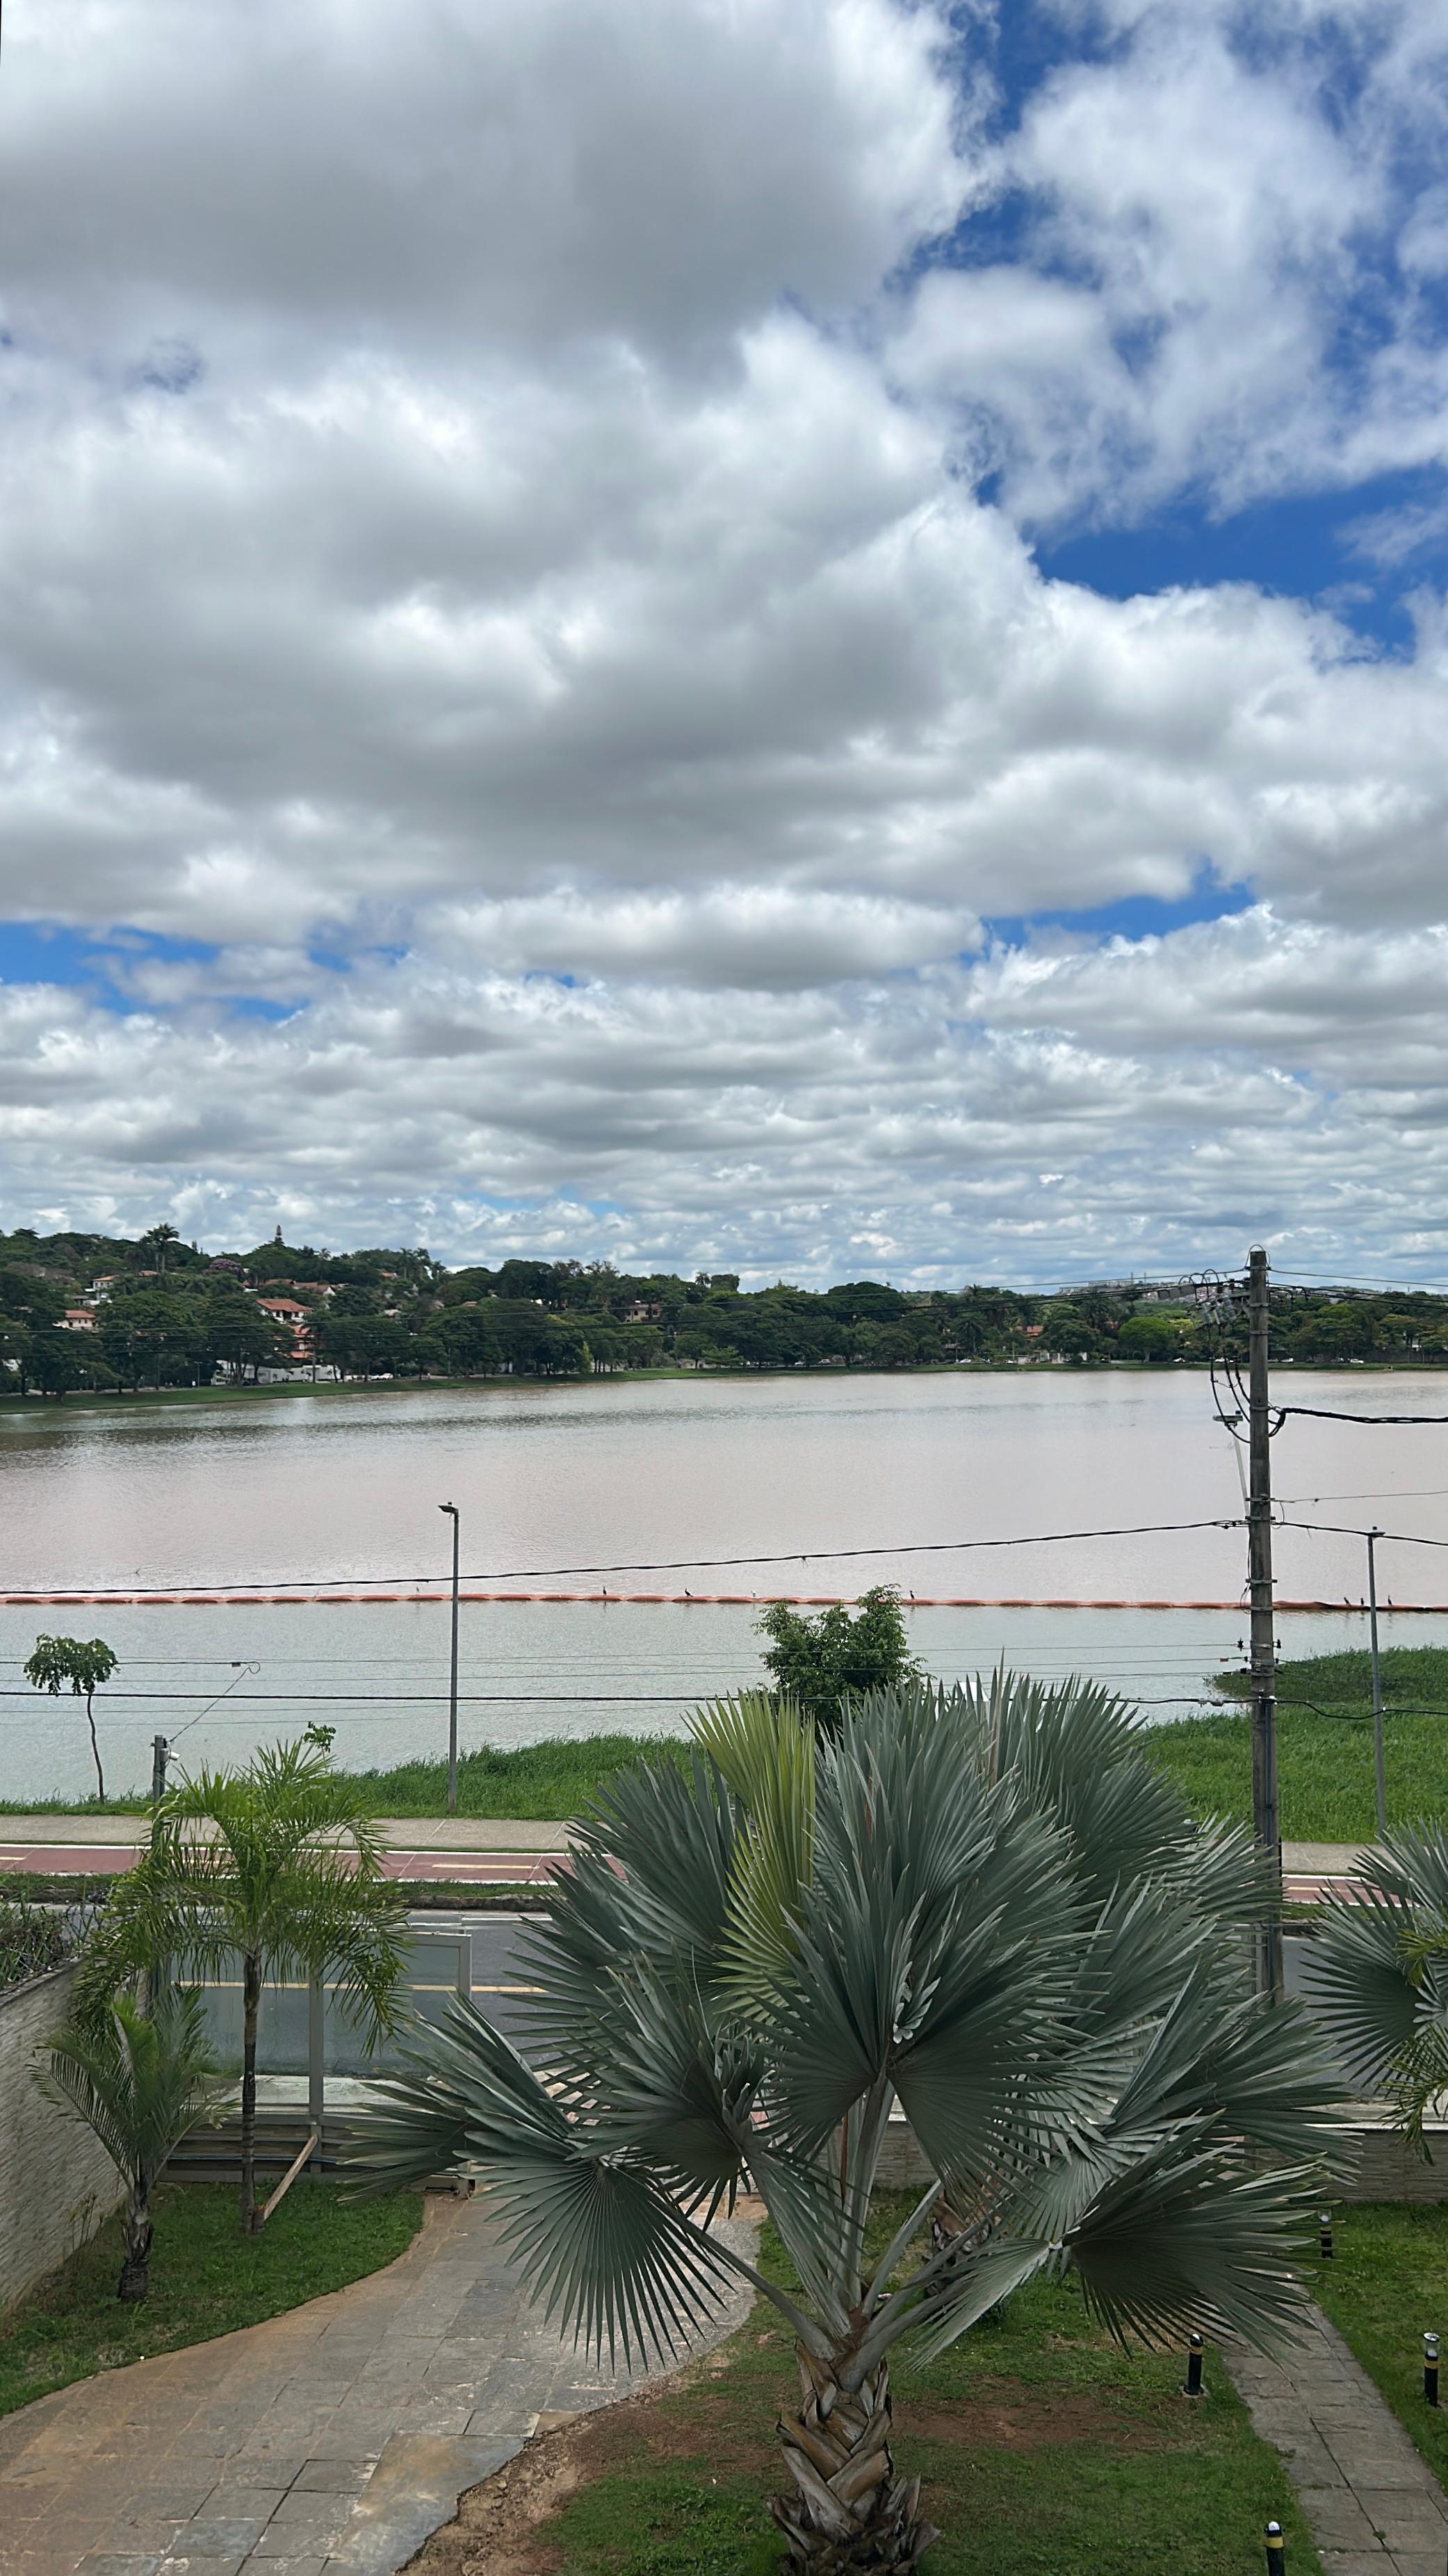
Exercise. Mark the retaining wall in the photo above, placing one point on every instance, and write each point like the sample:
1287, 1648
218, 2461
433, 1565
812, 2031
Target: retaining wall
56, 2182
1386, 2167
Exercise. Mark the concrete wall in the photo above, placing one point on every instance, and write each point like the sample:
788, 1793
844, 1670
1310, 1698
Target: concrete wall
56, 2184
1386, 2169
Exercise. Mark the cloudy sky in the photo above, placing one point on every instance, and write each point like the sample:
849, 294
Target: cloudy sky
802, 635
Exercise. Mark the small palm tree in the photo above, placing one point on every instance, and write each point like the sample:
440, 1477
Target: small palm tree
157, 1240
1379, 1973
279, 1863
985, 1905
139, 2081
83, 1662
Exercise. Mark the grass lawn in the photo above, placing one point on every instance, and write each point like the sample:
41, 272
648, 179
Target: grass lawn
1324, 1746
545, 1782
205, 2280
1385, 2288
1041, 2447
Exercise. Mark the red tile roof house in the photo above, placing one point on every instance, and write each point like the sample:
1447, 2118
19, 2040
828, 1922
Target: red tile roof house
77, 1319
286, 1310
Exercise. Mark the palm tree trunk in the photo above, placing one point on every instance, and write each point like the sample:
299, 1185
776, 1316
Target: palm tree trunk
250, 2010
848, 2514
136, 2233
95, 1748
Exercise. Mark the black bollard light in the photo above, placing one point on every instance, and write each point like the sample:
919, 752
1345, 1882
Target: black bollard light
1276, 2554
1324, 2235
1193, 2387
1430, 2369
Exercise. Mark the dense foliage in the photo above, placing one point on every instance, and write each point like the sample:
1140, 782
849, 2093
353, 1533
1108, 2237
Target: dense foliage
169, 1314
821, 1663
32, 1939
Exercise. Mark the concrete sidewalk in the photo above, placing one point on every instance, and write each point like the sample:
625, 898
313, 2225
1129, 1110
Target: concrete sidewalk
1371, 2502
327, 2442
476, 1851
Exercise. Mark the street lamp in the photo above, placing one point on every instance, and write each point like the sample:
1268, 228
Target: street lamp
452, 1706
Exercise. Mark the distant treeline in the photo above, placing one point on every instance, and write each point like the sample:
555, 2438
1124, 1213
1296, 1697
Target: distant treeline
84, 1310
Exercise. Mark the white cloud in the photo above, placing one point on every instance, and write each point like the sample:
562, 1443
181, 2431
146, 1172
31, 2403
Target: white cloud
483, 495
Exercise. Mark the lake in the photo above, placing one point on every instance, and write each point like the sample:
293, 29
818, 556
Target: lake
345, 1485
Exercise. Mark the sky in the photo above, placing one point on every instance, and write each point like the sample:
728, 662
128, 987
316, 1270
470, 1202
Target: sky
803, 636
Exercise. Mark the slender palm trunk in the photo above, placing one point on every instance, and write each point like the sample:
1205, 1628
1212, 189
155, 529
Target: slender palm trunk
95, 1747
136, 2232
848, 2514
250, 2012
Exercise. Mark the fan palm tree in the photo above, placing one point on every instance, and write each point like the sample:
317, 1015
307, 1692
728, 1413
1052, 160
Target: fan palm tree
279, 1863
139, 2081
983, 1904
1379, 1973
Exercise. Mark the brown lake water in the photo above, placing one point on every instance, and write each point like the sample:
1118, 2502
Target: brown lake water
345, 1485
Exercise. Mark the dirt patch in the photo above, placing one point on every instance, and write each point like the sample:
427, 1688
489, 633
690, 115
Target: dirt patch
501, 2525
1016, 2418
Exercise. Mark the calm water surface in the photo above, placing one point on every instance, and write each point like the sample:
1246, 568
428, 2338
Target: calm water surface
347, 1484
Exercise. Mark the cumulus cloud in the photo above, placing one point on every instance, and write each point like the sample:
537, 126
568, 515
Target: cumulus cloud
517, 600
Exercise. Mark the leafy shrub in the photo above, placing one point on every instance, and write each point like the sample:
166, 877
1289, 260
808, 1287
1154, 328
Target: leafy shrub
32, 1939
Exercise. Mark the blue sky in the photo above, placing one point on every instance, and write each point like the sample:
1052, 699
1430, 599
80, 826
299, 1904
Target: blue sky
826, 653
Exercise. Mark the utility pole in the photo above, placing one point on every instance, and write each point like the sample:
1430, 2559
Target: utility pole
1379, 1768
452, 1716
159, 1750
1265, 1824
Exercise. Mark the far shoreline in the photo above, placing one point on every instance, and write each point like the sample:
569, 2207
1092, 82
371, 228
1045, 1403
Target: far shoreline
105, 1399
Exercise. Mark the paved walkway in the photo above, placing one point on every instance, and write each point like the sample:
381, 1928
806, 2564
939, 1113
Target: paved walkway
1372, 2504
329, 2442
479, 1851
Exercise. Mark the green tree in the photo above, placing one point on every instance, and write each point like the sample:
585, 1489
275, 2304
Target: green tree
1379, 1973
818, 1664
85, 1663
985, 1905
157, 1240
279, 1863
139, 2081
1152, 1337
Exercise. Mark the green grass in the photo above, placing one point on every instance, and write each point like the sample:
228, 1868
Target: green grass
1044, 2452
1385, 2288
545, 1782
1324, 1745
206, 2279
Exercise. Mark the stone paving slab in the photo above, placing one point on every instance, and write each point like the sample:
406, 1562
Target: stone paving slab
1371, 2502
328, 2442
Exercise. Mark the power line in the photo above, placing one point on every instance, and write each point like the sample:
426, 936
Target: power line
1324, 1413
626, 1565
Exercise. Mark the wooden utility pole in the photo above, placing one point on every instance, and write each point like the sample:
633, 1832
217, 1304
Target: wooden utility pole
1265, 1823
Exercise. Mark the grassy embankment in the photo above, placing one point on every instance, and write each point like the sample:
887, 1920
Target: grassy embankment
206, 2279
545, 1782
1041, 2447
1324, 1745
1325, 1757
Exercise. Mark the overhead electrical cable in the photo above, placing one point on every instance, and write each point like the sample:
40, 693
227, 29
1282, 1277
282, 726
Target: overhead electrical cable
624, 1565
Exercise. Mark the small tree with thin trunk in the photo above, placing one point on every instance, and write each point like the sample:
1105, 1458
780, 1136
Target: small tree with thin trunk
139, 2081
83, 1664
278, 1864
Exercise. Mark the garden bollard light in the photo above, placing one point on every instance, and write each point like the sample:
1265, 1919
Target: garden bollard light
1193, 2387
1324, 2235
1430, 2368
1276, 2554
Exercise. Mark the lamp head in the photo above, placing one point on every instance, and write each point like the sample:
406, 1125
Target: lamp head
449, 1507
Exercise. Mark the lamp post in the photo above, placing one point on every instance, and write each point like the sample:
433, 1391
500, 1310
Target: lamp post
1379, 1779
452, 1698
